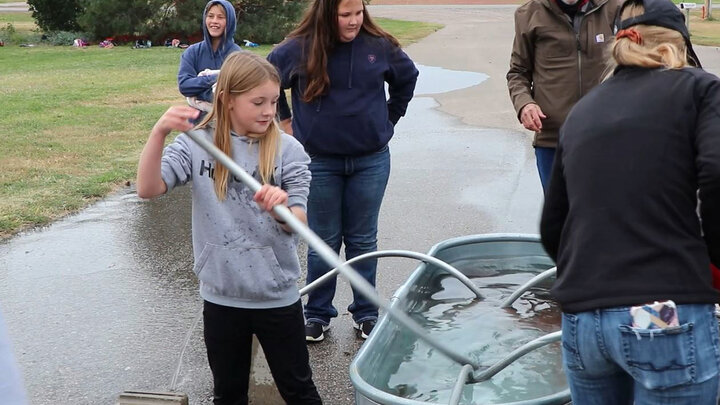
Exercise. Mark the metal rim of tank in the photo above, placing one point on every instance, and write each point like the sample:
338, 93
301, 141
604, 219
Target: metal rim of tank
372, 393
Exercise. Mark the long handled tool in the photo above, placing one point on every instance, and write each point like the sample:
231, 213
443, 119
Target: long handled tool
329, 255
152, 398
324, 251
479, 373
471, 371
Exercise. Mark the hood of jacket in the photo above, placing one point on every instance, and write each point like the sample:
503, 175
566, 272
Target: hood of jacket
230, 26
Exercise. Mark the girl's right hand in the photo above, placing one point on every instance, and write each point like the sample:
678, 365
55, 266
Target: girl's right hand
176, 118
269, 196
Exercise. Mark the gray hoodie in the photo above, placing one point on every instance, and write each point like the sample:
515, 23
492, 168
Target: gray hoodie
243, 258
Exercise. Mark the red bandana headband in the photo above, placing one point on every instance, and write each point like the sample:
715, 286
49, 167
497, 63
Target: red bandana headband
631, 34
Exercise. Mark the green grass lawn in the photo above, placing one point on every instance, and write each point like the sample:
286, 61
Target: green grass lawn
22, 22
705, 32
73, 121
408, 32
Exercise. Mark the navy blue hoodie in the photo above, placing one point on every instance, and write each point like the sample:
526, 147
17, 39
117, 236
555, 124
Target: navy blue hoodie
353, 118
200, 56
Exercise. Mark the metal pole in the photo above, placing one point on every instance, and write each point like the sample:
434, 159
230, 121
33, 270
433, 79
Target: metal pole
324, 251
465, 373
708, 7
397, 253
516, 354
530, 284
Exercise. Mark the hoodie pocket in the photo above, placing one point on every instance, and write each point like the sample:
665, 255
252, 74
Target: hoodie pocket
365, 131
242, 272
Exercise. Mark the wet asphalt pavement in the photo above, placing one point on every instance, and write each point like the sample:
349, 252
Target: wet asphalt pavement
103, 301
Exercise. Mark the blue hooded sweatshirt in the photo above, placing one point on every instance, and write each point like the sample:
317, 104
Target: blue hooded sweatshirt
353, 117
200, 56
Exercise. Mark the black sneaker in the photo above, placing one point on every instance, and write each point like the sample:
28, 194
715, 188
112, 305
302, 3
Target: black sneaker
314, 331
365, 327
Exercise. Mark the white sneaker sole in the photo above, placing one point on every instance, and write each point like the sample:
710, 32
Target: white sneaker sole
319, 338
362, 334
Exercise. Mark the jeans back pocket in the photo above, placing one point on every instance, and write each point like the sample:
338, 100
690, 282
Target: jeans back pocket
660, 358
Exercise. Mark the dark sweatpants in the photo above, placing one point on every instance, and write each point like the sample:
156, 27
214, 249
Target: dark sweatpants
281, 333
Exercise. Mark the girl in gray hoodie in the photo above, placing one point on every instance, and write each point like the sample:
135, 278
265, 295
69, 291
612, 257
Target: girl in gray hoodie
245, 256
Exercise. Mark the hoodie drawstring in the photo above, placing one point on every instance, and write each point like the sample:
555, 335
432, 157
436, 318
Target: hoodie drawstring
352, 49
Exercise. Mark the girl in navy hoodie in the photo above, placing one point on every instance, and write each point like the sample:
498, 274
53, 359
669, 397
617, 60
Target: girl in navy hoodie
336, 63
200, 63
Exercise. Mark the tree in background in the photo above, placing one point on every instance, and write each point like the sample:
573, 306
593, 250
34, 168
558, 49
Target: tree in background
267, 21
180, 19
260, 21
56, 15
112, 18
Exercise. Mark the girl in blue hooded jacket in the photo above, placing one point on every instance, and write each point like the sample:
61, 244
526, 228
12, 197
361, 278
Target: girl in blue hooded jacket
199, 64
336, 63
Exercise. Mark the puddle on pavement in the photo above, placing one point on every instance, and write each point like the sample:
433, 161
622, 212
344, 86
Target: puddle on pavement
436, 80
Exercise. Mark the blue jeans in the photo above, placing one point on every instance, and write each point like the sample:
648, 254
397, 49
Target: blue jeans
609, 362
343, 207
544, 158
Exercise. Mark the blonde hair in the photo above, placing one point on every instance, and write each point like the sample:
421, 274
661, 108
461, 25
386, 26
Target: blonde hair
241, 72
660, 47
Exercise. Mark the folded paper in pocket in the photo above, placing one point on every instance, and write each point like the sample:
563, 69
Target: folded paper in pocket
658, 315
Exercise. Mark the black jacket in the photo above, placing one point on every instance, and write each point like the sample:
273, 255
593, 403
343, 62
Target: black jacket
621, 214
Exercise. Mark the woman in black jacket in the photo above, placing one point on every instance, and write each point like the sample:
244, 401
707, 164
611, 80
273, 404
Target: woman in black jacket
621, 221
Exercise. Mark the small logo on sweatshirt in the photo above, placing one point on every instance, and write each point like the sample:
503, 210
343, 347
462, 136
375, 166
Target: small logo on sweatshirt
599, 38
371, 58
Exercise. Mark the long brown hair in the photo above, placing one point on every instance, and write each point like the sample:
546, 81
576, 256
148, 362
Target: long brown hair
241, 72
318, 32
